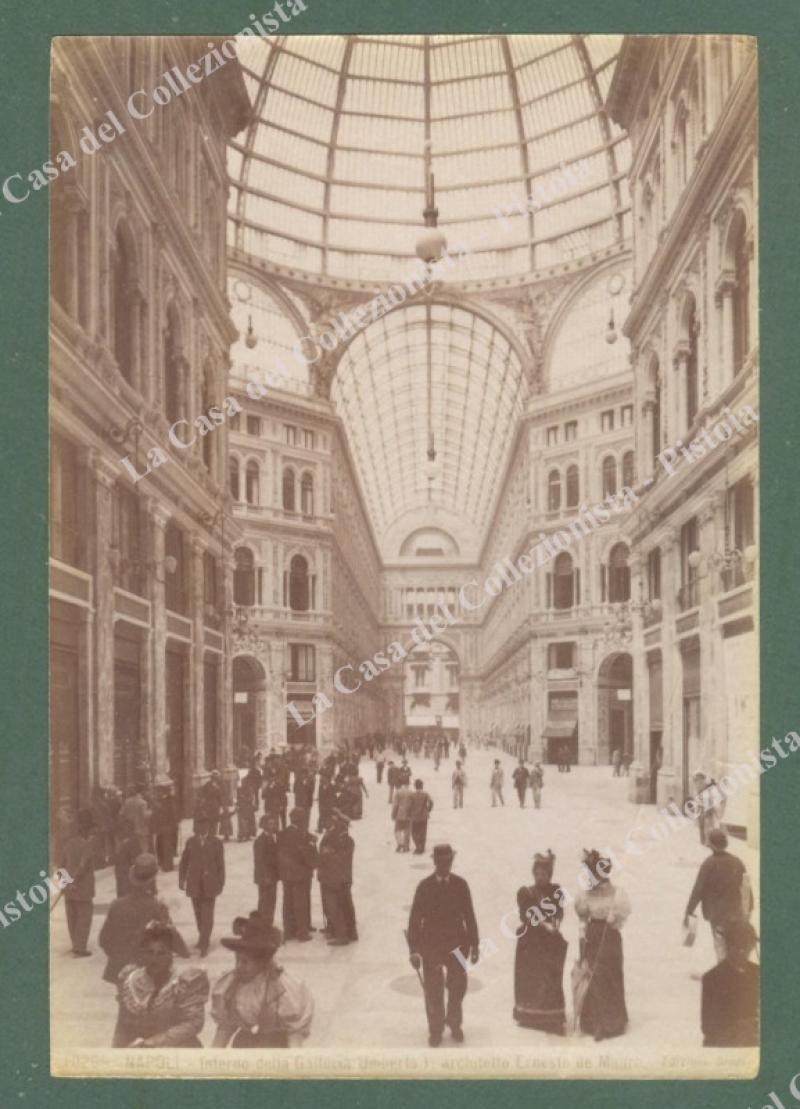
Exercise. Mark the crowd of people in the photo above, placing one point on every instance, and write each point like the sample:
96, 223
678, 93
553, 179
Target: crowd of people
256, 1003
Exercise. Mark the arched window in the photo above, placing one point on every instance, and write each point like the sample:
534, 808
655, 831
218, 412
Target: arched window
563, 582
233, 476
173, 365
609, 475
554, 491
619, 574
122, 283
573, 487
741, 293
244, 577
299, 585
307, 494
628, 470
288, 489
252, 483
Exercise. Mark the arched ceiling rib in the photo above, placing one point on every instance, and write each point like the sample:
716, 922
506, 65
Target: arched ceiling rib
330, 177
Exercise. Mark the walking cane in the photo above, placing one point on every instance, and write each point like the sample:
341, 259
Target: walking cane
419, 975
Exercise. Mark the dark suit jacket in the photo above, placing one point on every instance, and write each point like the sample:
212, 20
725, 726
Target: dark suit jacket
265, 860
729, 1015
336, 859
78, 861
442, 917
202, 867
297, 855
718, 888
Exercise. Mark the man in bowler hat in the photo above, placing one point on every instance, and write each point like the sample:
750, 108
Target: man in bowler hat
442, 935
265, 866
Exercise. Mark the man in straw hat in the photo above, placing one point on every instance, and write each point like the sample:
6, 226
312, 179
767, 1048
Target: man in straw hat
257, 1004
127, 916
442, 935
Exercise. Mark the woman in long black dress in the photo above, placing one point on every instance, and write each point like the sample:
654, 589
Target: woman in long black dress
603, 910
541, 951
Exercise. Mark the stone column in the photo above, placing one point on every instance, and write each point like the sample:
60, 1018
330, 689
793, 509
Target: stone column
639, 785
276, 707
225, 737
159, 516
669, 777
103, 479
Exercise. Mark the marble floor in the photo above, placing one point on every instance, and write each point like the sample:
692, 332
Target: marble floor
366, 994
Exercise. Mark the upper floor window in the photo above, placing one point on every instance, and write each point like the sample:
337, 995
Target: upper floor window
609, 475
688, 595
127, 539
626, 415
692, 377
741, 293
177, 582
307, 494
628, 469
300, 585
291, 435
288, 489
244, 577
554, 491
251, 483
570, 431
211, 589
235, 422
607, 420
308, 440
552, 436
302, 666
573, 487
560, 656
564, 582
619, 574
207, 402
234, 477
253, 425
174, 366
122, 284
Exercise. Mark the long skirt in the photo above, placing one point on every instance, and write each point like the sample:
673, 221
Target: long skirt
538, 980
604, 1014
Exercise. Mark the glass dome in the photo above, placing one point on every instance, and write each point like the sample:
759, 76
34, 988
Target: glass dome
330, 175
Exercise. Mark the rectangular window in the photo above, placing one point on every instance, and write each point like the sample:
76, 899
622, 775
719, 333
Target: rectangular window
626, 415
127, 540
291, 435
688, 596
302, 662
561, 656
308, 440
552, 436
66, 534
607, 420
253, 425
571, 431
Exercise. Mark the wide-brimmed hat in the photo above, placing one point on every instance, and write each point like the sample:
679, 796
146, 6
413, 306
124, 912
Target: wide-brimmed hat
143, 871
343, 818
443, 851
253, 935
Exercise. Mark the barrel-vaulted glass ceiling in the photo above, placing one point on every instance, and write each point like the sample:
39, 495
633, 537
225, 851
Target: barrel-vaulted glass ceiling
330, 175
430, 376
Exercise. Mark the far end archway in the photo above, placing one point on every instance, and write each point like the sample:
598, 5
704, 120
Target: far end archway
615, 706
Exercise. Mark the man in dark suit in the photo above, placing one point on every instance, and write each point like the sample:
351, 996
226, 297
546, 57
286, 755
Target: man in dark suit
274, 794
335, 873
265, 867
201, 874
78, 861
729, 1014
297, 859
719, 891
208, 805
442, 935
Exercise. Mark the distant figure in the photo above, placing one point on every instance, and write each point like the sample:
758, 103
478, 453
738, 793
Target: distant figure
729, 1010
164, 823
459, 781
265, 866
391, 779
616, 761
297, 861
442, 936
537, 783
78, 861
137, 812
201, 873
421, 805
721, 889
496, 784
627, 761
564, 759
401, 815
126, 854
521, 777
209, 802
380, 762
712, 805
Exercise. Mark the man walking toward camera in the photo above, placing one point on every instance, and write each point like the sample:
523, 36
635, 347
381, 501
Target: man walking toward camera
442, 935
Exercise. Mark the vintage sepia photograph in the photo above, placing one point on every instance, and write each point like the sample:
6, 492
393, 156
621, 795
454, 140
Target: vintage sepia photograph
403, 555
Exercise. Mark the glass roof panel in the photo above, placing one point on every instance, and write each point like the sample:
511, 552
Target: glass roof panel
477, 394
341, 130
